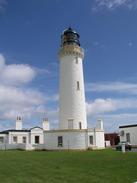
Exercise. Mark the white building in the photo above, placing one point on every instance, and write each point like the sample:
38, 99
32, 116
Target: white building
28, 139
72, 132
128, 133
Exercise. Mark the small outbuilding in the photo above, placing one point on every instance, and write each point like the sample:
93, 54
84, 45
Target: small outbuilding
128, 133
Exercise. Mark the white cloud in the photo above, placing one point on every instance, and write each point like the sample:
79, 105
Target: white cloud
15, 101
113, 4
113, 112
18, 99
101, 106
15, 73
118, 87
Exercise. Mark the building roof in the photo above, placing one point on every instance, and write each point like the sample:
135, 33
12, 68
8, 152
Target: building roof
35, 127
13, 130
128, 126
23, 130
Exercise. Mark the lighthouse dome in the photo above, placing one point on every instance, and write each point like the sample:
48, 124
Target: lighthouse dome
70, 36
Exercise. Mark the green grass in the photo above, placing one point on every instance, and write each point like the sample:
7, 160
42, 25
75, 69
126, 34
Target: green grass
106, 166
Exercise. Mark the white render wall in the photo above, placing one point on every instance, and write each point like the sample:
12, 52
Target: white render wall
72, 101
74, 139
133, 135
99, 137
19, 136
71, 140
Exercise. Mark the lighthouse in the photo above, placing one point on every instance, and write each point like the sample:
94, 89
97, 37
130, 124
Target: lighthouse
72, 110
72, 133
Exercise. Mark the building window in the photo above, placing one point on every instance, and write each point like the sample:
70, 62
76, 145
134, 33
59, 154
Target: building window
24, 140
36, 139
80, 125
76, 60
1, 140
60, 141
128, 137
78, 85
70, 123
91, 140
15, 139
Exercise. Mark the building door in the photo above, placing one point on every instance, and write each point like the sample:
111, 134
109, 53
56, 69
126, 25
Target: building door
128, 137
91, 139
36, 139
60, 141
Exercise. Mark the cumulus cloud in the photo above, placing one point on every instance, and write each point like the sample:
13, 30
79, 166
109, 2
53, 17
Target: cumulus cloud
113, 4
118, 87
101, 106
15, 73
15, 97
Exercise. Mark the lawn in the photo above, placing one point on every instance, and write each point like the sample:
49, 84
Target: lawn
105, 166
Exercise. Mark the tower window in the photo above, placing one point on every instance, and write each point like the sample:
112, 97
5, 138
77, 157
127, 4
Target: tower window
60, 141
76, 60
80, 125
70, 124
78, 85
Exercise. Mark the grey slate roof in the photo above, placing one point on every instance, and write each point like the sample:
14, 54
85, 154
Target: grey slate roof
128, 126
13, 130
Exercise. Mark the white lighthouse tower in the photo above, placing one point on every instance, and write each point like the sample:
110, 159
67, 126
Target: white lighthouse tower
72, 114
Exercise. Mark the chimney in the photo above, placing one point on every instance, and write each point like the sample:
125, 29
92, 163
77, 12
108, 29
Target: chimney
18, 123
45, 124
100, 124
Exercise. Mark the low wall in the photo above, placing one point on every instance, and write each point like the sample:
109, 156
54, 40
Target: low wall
22, 146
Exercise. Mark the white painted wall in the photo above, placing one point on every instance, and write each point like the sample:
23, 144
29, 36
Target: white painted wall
19, 136
72, 101
73, 139
133, 134
107, 143
100, 141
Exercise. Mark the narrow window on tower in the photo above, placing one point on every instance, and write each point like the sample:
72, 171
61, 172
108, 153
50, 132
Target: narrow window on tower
70, 123
78, 86
76, 60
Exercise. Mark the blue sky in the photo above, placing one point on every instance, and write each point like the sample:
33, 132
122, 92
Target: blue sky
29, 68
